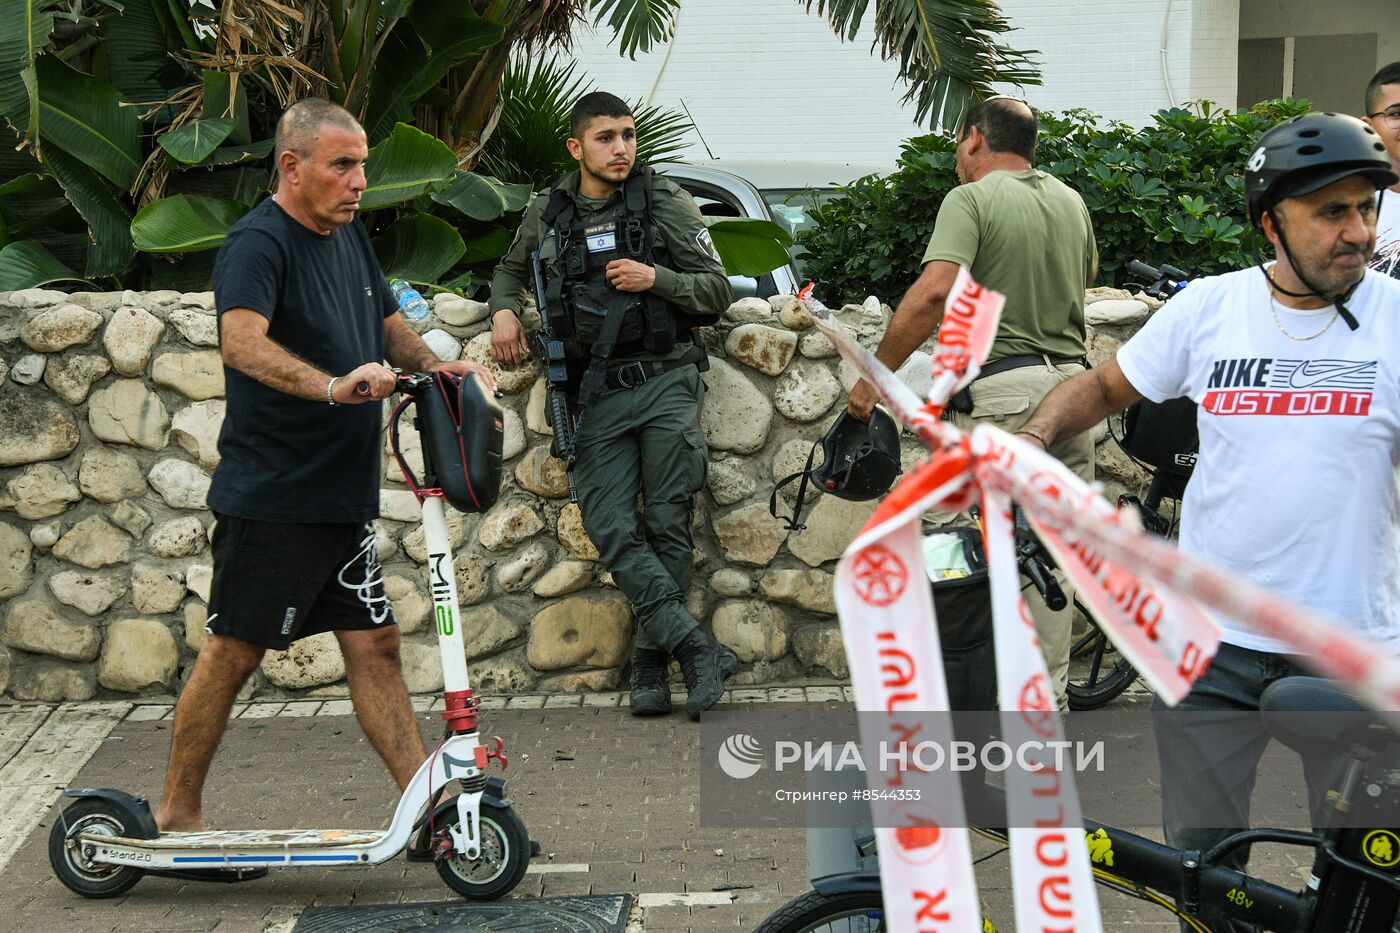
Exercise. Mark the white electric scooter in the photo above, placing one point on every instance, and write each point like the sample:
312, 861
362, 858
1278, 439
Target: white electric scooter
106, 840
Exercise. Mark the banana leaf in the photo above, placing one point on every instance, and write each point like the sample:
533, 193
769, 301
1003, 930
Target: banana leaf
482, 197
84, 116
25, 26
404, 166
748, 246
194, 141
26, 264
419, 248
185, 223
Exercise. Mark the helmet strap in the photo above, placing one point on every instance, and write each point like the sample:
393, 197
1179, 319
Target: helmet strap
1339, 301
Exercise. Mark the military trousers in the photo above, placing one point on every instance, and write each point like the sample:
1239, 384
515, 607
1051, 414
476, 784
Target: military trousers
646, 441
1007, 400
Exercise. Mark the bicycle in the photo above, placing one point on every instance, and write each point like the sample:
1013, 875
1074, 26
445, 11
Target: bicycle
1344, 894
1161, 438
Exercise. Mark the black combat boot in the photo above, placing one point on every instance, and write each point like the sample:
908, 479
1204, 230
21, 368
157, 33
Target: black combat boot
706, 665
651, 695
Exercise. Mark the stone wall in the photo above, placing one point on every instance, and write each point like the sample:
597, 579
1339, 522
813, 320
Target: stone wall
110, 406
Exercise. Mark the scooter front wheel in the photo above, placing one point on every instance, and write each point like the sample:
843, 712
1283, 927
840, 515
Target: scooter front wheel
505, 854
71, 857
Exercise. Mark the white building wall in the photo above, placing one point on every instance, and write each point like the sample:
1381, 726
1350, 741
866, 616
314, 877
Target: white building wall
1104, 55
764, 79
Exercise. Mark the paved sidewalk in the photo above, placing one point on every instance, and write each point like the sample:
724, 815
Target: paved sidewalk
612, 800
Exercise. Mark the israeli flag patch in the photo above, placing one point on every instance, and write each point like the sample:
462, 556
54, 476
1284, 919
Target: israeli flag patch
602, 242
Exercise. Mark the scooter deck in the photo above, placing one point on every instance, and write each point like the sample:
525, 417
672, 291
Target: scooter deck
250, 840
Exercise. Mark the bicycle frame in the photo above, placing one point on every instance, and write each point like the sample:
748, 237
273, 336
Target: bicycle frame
1343, 895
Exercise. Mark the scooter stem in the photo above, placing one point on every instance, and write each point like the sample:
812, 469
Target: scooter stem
443, 587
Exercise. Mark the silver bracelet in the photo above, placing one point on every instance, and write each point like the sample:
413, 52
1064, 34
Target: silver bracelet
330, 390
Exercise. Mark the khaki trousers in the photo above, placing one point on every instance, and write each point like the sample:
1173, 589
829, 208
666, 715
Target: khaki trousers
1007, 400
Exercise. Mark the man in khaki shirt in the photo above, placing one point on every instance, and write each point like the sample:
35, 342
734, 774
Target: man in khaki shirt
1027, 235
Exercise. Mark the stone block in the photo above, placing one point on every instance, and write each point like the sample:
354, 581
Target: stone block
109, 475
736, 414
766, 349
130, 338
155, 590
749, 535
72, 375
313, 661
90, 593
53, 682
487, 631
180, 483
196, 428
198, 375
32, 626
37, 428
127, 412
508, 524
42, 491
565, 577
16, 561
580, 631
572, 535
179, 537
756, 630
94, 543
59, 328
819, 647
139, 657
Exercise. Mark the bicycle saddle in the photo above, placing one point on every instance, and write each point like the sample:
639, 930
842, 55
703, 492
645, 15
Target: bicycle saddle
1314, 717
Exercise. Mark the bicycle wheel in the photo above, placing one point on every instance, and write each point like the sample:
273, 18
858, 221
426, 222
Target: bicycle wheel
814, 912
1108, 673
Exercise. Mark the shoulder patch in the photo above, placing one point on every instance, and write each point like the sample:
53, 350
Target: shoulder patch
707, 245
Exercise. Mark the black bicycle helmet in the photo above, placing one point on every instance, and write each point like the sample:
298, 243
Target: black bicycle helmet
1308, 153
859, 462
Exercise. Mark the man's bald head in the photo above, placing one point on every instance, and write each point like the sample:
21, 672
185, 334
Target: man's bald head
1008, 126
301, 123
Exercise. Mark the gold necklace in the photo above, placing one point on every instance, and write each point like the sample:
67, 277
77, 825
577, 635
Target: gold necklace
1278, 322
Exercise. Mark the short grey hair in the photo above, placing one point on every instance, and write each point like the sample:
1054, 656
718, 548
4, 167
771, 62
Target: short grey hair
302, 121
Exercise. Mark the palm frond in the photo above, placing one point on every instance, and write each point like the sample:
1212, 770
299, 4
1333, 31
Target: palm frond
536, 97
638, 24
950, 52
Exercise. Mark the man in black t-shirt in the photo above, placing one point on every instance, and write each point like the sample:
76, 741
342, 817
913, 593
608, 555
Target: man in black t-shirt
304, 317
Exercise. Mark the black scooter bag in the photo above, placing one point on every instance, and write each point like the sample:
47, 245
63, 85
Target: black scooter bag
462, 429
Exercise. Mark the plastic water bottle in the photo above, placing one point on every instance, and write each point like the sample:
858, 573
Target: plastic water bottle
410, 302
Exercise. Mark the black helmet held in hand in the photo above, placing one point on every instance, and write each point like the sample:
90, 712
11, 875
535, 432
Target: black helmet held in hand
859, 462
1308, 153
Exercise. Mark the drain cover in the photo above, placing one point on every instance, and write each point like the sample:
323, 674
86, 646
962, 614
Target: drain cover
590, 914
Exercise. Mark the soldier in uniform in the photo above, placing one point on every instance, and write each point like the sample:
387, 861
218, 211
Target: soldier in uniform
629, 274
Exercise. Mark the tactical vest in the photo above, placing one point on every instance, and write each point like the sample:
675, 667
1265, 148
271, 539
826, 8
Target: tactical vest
594, 319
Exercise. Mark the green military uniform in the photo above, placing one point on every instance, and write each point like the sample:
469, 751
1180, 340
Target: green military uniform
642, 434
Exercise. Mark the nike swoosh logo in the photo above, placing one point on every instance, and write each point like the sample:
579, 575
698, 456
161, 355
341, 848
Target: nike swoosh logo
1312, 372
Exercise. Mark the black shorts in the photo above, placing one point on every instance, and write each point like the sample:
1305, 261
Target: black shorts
274, 583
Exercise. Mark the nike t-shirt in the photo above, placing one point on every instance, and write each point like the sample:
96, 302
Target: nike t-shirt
1387, 258
1294, 486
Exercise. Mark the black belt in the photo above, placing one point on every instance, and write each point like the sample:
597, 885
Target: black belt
1008, 363
634, 373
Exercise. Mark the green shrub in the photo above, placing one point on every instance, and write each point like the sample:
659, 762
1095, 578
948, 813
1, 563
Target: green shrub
1172, 191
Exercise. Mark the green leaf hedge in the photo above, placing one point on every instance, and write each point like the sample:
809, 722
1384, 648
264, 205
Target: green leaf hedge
1172, 191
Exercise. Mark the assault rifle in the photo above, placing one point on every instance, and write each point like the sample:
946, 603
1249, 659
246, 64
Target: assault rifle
551, 350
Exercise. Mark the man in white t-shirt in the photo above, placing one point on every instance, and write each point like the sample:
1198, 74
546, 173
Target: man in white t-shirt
1383, 113
1296, 372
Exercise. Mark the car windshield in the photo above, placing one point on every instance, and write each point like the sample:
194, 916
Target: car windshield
792, 207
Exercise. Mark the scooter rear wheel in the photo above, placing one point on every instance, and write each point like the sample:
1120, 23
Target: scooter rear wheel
505, 854
70, 857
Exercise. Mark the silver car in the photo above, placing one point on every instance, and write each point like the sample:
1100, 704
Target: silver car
782, 192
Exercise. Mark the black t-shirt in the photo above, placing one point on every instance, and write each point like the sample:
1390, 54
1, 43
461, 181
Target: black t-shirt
283, 458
